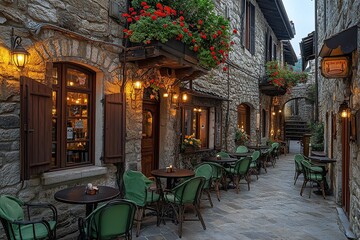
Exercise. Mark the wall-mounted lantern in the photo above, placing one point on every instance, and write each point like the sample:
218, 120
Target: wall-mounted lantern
344, 110
19, 56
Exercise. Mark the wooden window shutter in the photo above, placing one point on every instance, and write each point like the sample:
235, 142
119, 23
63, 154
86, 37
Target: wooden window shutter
252, 28
35, 127
218, 128
114, 128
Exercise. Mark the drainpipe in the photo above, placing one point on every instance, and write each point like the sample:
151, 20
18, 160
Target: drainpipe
316, 65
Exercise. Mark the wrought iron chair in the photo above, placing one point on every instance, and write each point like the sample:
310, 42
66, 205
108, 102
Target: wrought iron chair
19, 227
240, 171
205, 170
254, 165
242, 149
137, 189
112, 220
186, 195
312, 174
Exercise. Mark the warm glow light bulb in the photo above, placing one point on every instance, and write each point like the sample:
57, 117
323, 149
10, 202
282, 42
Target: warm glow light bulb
344, 114
184, 97
166, 95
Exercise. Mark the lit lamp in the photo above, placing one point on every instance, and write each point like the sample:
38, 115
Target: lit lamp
184, 97
343, 109
137, 85
19, 55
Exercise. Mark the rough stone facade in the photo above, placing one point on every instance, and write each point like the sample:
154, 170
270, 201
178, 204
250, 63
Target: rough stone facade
82, 32
334, 17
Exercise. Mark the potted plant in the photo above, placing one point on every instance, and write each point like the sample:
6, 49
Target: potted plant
190, 144
241, 138
281, 78
192, 22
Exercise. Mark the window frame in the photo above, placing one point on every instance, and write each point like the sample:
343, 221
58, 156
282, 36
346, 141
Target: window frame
61, 105
249, 27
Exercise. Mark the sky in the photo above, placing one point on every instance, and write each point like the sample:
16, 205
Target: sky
301, 12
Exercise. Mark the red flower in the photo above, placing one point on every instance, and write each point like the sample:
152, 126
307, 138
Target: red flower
131, 9
212, 48
190, 34
167, 9
186, 30
200, 22
143, 3
165, 25
137, 18
232, 43
126, 15
146, 7
153, 17
193, 40
125, 30
159, 6
219, 32
235, 31
224, 69
182, 24
214, 36
196, 48
223, 27
129, 20
181, 18
148, 41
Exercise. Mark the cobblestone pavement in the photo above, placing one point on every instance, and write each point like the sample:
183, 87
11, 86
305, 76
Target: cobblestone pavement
272, 209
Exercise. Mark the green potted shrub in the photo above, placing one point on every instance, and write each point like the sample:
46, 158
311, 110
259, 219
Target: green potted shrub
241, 138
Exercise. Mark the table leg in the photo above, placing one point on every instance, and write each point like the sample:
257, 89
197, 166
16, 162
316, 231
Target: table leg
90, 207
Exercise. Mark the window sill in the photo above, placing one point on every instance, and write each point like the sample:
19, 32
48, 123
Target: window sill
72, 174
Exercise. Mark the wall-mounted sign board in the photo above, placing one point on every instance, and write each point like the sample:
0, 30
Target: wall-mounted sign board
335, 67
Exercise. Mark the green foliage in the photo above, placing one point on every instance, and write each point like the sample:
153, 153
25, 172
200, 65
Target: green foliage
241, 137
317, 136
193, 22
311, 93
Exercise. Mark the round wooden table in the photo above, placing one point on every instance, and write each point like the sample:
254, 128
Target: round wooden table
77, 195
171, 176
221, 161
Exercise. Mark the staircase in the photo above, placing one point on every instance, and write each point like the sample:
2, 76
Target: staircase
295, 128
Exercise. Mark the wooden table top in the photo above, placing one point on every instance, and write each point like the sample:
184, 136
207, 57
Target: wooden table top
77, 195
219, 160
319, 159
176, 173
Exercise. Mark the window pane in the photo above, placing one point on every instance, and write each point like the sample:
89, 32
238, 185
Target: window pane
55, 76
188, 123
75, 78
203, 127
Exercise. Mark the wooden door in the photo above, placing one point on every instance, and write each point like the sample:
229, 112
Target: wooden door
345, 165
150, 137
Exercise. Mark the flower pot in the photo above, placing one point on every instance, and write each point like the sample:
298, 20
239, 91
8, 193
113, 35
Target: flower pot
269, 89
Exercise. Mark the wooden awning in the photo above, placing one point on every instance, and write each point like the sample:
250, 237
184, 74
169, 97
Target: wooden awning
342, 43
307, 49
172, 54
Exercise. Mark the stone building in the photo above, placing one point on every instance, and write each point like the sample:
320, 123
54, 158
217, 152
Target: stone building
72, 115
337, 34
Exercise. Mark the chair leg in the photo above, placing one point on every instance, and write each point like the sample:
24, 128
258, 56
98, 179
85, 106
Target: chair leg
209, 197
302, 187
322, 188
247, 179
200, 217
181, 219
139, 219
237, 184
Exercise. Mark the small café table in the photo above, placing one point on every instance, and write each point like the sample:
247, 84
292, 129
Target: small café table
323, 162
171, 177
221, 161
239, 155
77, 195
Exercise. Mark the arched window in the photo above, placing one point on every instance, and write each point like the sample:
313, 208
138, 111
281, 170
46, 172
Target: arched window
72, 115
244, 118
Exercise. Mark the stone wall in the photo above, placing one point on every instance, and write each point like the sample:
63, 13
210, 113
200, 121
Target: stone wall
335, 16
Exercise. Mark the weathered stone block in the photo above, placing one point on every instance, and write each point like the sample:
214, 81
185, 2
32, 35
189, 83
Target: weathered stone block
9, 121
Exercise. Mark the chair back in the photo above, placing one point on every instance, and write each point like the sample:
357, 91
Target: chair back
306, 166
11, 210
255, 155
242, 166
223, 154
189, 191
113, 219
204, 170
242, 149
298, 159
136, 184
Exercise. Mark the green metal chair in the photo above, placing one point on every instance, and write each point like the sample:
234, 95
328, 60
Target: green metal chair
240, 171
137, 189
276, 150
312, 174
19, 227
217, 177
186, 195
112, 220
298, 166
242, 149
223, 154
254, 164
205, 170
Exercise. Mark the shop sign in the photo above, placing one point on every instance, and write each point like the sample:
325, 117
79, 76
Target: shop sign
335, 67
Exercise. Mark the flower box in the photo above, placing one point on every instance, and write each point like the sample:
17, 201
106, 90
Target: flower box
269, 89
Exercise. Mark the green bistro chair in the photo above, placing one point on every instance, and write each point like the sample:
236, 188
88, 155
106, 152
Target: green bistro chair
112, 220
270, 155
254, 164
186, 195
223, 154
137, 189
217, 177
205, 170
313, 174
298, 166
239, 172
276, 150
242, 149
18, 227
